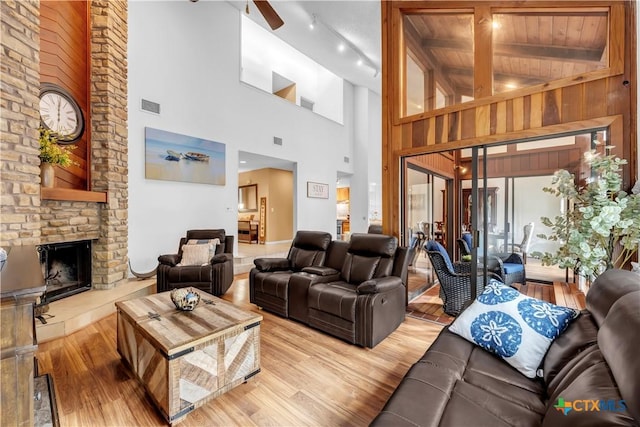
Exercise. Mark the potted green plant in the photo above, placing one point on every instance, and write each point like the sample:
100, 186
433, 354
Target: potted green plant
600, 229
52, 153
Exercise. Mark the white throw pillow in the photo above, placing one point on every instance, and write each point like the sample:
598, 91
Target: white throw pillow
213, 243
513, 326
195, 255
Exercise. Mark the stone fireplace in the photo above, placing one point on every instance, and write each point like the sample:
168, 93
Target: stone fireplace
66, 268
31, 216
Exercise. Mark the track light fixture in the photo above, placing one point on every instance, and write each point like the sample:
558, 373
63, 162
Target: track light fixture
344, 43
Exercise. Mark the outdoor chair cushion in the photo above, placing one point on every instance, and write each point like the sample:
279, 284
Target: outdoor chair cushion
432, 245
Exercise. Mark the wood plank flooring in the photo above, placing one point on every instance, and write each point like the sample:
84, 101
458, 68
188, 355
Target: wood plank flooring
307, 377
428, 306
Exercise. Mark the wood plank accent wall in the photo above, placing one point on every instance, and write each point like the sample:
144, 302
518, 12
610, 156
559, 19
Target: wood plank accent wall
64, 60
603, 98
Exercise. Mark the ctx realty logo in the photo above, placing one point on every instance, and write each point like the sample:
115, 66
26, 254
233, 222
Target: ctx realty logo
589, 405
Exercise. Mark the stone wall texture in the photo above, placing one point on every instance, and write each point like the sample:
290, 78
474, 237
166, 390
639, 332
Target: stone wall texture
25, 218
19, 149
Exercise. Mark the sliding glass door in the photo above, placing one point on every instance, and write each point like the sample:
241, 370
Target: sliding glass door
494, 198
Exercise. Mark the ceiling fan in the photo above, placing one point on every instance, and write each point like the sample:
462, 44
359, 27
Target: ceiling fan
267, 11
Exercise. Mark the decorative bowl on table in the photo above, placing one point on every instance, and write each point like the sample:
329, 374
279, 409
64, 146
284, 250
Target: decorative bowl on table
185, 299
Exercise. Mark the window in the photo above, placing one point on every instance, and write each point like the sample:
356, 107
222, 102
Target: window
439, 60
533, 47
525, 47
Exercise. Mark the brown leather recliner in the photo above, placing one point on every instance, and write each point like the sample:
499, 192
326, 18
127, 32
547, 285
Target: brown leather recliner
367, 301
215, 277
269, 279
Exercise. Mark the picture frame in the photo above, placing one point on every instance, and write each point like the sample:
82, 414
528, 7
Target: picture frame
172, 156
317, 190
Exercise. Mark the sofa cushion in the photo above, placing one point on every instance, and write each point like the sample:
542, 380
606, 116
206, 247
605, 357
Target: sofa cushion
513, 326
272, 283
580, 334
586, 394
618, 340
335, 298
301, 258
358, 269
601, 297
510, 268
456, 383
373, 245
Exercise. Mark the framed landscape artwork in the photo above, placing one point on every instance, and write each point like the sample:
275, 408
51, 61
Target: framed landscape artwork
174, 157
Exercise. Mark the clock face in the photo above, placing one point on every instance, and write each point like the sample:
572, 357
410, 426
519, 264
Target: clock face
60, 113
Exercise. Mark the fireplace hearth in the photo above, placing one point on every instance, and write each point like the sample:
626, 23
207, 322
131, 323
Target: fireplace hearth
66, 268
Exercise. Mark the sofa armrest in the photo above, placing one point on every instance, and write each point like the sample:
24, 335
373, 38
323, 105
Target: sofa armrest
272, 264
379, 285
170, 260
220, 258
320, 271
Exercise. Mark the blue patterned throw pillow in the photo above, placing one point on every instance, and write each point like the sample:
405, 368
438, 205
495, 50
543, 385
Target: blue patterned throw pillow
511, 325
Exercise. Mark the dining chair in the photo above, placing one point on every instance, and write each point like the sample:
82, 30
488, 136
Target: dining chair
522, 247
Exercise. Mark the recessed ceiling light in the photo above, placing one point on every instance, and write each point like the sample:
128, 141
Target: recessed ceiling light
242, 162
496, 25
341, 47
359, 61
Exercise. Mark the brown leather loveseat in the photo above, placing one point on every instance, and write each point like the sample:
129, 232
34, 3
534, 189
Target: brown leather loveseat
353, 290
269, 280
591, 374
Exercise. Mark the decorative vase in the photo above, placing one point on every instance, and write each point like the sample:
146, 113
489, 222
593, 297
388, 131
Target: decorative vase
47, 175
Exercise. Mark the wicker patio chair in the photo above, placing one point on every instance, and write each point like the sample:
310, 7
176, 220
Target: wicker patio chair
455, 288
454, 278
509, 266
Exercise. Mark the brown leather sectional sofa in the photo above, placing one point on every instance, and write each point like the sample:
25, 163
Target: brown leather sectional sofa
353, 290
591, 374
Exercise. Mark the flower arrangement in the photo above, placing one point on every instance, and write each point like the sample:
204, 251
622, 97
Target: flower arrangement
603, 221
52, 152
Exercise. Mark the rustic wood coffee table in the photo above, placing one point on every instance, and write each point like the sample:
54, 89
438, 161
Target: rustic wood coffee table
186, 358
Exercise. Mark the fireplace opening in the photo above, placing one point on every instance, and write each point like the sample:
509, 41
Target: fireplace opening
66, 268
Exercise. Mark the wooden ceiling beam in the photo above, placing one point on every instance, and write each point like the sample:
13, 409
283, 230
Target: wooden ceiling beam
572, 54
500, 78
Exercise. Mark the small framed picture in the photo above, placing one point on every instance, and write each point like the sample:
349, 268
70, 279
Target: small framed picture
317, 190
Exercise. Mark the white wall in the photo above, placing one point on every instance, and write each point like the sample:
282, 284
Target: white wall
366, 158
263, 53
186, 56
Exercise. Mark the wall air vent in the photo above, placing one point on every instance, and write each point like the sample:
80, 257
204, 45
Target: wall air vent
277, 140
150, 106
346, 159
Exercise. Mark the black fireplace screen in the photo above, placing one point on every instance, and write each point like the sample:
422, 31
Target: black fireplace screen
66, 268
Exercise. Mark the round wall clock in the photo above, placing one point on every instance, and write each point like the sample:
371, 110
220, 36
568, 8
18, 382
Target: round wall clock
60, 113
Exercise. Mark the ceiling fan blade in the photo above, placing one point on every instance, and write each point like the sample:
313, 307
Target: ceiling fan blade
269, 14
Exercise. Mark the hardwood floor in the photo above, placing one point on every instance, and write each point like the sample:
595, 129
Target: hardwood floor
307, 377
